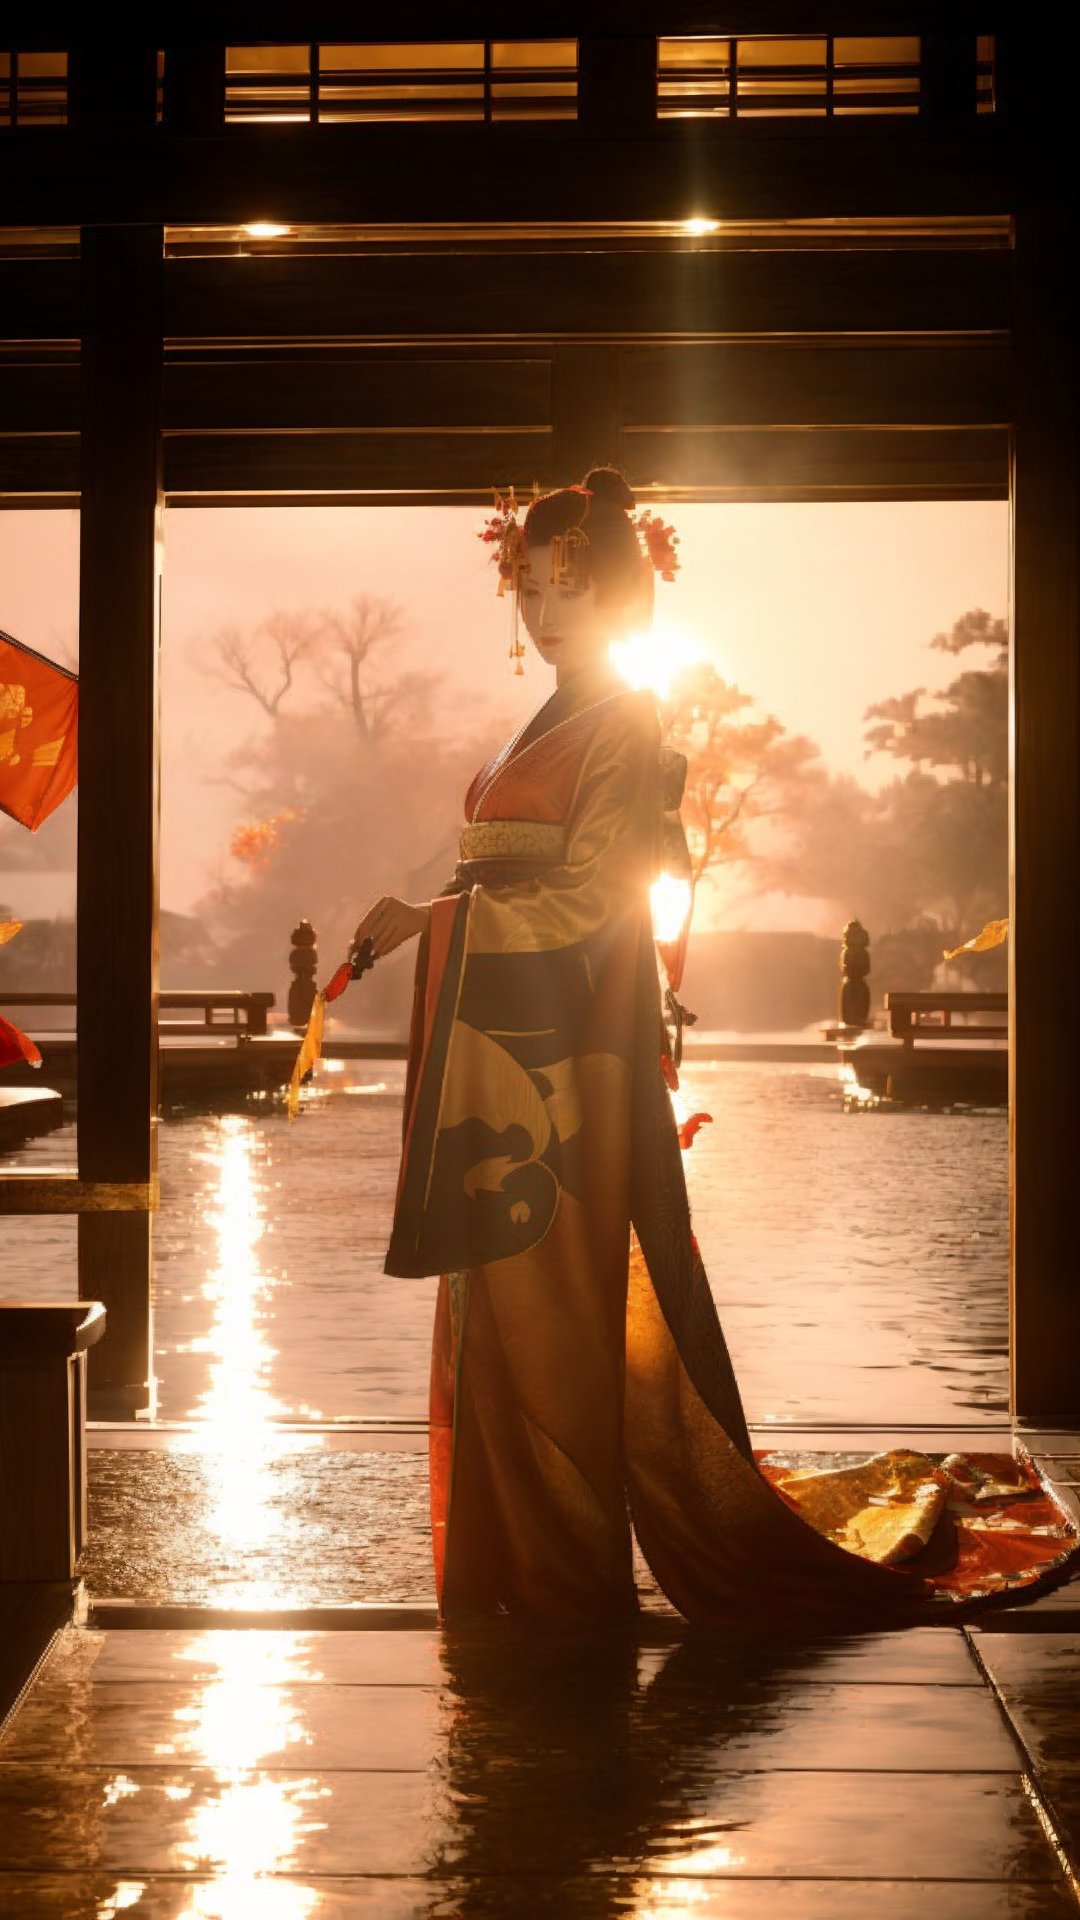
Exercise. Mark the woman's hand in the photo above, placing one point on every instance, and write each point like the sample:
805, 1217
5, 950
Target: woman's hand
389, 923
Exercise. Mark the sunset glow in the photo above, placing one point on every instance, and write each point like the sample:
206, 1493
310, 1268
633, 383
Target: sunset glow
670, 899
655, 659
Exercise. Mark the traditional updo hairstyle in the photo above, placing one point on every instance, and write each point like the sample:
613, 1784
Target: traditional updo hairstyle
611, 558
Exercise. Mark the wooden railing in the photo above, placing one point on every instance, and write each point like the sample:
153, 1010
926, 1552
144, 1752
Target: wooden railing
244, 1013
929, 1016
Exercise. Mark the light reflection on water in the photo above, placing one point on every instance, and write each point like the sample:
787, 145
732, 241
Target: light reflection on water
859, 1259
256, 1821
235, 1435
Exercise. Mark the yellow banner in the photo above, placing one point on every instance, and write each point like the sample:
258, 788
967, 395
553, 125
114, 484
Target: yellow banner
994, 934
310, 1051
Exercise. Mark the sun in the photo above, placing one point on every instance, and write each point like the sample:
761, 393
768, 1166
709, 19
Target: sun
656, 658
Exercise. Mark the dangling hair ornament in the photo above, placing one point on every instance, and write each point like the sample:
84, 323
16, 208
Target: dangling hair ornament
658, 543
506, 534
568, 549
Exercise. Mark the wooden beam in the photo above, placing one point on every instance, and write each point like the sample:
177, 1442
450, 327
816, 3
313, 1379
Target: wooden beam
1046, 834
829, 463
34, 464
356, 462
430, 173
940, 381
365, 388
833, 384
61, 1192
243, 21
118, 781
37, 396
39, 300
614, 292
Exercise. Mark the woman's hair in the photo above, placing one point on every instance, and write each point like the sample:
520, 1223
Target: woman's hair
600, 508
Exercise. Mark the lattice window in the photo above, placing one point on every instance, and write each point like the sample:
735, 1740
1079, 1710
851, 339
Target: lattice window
533, 79
816, 76
473, 80
986, 73
433, 81
33, 89
268, 86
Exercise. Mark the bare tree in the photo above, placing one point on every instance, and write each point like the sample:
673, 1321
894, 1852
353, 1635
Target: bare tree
262, 664
741, 767
344, 658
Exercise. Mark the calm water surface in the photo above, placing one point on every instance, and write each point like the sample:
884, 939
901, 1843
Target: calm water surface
859, 1260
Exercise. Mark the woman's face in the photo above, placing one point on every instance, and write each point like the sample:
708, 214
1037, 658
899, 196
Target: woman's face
570, 627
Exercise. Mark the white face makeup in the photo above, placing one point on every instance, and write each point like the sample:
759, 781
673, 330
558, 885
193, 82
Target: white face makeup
568, 626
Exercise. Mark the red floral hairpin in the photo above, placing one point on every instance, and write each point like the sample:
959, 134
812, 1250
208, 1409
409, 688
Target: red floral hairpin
506, 534
659, 542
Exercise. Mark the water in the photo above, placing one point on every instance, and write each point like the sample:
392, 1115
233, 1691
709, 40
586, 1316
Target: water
859, 1260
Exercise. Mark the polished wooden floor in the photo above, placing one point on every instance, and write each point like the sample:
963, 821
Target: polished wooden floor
174, 1761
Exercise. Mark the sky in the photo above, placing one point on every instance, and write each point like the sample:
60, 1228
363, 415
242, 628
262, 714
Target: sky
815, 610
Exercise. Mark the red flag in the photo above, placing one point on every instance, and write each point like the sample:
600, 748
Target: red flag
39, 713
16, 1045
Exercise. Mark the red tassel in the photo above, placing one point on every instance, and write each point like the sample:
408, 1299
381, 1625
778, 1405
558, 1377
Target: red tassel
338, 981
690, 1127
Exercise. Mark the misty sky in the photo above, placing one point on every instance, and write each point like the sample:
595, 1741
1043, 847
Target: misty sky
816, 610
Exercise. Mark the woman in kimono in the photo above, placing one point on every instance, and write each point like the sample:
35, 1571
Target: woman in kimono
580, 1383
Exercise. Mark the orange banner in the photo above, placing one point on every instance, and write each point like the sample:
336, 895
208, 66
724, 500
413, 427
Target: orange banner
39, 710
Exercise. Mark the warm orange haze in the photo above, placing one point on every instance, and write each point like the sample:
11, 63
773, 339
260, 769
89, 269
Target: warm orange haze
538, 1205
814, 612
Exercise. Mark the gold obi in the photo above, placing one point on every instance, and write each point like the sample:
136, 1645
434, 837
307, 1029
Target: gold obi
513, 840
498, 852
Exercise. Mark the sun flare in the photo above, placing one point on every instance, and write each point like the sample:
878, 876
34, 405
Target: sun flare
655, 659
670, 899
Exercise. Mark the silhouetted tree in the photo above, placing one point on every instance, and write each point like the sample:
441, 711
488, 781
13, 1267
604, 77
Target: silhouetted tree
263, 663
742, 767
349, 660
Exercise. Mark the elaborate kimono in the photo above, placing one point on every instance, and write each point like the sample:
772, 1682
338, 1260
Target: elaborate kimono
580, 1383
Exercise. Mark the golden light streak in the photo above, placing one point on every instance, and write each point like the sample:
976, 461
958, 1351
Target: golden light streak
656, 658
670, 899
249, 1709
265, 230
698, 224
235, 1432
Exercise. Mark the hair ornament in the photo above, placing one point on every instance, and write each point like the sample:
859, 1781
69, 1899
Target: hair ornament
506, 534
658, 543
568, 557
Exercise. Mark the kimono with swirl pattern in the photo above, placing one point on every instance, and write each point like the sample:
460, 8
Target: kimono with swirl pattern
580, 1382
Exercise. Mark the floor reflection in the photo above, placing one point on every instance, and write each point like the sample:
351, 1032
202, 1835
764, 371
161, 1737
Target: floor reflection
235, 1436
638, 1783
254, 1822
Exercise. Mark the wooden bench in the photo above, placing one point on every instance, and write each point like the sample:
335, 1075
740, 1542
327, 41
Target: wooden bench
43, 1435
244, 1013
930, 1016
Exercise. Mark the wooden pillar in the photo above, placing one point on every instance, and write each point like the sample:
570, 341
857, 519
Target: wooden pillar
118, 786
1046, 840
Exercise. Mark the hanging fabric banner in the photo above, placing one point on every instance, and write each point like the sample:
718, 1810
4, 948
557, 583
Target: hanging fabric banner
39, 710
